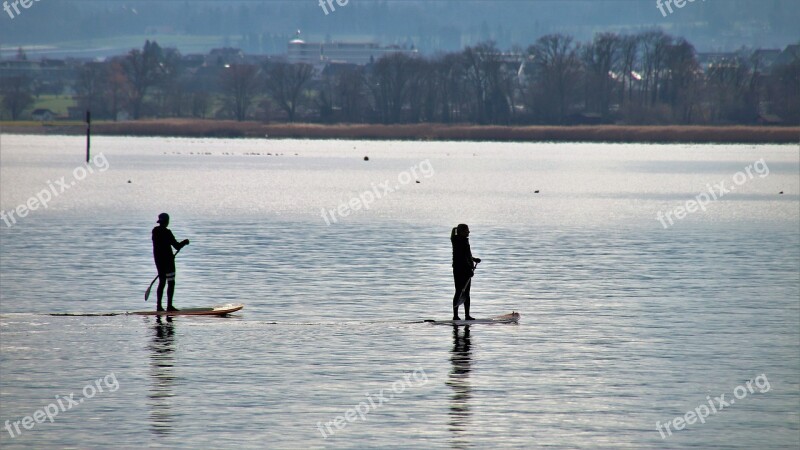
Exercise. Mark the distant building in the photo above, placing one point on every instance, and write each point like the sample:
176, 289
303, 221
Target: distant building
790, 55
765, 58
42, 115
223, 56
320, 54
710, 59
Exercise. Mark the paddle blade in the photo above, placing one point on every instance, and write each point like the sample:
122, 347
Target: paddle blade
147, 292
463, 290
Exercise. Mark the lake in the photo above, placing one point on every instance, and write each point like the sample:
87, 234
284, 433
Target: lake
658, 285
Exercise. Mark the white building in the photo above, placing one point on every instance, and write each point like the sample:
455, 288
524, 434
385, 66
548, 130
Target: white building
358, 53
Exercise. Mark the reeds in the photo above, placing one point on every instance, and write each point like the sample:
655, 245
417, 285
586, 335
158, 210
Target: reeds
578, 133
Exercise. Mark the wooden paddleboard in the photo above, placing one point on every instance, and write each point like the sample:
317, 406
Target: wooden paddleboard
512, 317
214, 311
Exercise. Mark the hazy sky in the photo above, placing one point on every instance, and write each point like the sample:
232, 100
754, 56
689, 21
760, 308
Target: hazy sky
102, 27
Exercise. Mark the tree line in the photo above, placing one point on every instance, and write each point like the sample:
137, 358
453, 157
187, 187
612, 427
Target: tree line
645, 78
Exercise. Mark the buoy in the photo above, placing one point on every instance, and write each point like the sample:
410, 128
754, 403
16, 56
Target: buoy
129, 181
781, 192
366, 158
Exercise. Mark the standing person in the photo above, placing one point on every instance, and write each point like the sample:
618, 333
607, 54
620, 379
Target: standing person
163, 241
463, 268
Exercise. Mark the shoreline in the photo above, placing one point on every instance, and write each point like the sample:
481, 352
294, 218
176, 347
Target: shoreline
420, 132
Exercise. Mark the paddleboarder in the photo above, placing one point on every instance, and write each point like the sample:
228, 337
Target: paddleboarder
163, 241
463, 268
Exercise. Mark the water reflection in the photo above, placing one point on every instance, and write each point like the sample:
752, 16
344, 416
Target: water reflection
458, 380
162, 361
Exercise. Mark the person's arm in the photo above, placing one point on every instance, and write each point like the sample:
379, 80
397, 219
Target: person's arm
174, 242
472, 260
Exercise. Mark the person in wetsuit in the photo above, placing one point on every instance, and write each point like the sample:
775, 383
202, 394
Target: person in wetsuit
463, 268
163, 241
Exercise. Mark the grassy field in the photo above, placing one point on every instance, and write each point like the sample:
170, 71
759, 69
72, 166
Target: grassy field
599, 133
56, 103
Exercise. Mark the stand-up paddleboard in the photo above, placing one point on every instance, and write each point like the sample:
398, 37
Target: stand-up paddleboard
512, 317
214, 311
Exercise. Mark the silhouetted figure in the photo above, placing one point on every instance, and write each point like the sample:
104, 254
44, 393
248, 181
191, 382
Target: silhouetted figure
163, 241
463, 268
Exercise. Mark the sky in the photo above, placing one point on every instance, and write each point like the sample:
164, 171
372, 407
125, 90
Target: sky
98, 28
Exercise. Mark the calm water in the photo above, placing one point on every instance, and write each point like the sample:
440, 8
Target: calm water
624, 323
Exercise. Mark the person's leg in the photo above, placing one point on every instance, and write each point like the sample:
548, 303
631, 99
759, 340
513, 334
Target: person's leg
162, 281
460, 281
170, 291
466, 302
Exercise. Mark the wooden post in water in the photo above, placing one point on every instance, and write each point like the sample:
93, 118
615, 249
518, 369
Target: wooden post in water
88, 134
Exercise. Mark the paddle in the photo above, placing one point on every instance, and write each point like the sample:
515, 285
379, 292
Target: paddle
147, 292
466, 285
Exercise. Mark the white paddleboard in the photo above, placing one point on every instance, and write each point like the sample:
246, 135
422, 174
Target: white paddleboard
512, 317
213, 311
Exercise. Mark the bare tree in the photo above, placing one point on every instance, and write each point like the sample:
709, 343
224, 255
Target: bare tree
16, 92
450, 71
601, 58
91, 88
350, 86
240, 83
483, 70
628, 53
784, 91
557, 70
389, 82
171, 87
285, 83
729, 87
680, 80
655, 45
143, 70
422, 92
118, 89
